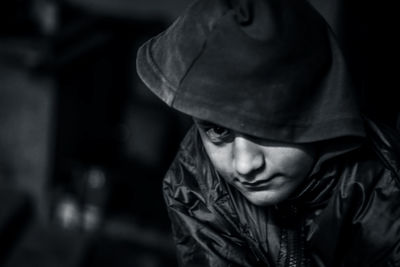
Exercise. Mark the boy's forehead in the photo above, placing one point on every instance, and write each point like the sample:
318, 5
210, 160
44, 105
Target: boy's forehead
205, 123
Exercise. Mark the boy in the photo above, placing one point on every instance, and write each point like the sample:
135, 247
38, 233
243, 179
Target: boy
280, 168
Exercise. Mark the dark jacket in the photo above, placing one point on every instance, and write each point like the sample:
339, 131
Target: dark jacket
348, 214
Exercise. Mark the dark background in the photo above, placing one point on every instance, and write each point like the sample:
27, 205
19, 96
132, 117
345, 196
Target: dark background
84, 145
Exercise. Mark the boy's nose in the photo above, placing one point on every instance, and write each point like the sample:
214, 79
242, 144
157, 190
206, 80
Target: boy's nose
248, 157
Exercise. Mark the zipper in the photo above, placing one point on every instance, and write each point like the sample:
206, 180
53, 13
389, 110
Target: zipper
292, 252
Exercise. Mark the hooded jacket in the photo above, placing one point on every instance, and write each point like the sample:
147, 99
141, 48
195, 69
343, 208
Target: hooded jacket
348, 216
274, 70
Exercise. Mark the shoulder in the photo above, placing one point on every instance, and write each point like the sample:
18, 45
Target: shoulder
370, 176
192, 190
377, 163
365, 171
183, 169
366, 200
191, 178
362, 217
385, 142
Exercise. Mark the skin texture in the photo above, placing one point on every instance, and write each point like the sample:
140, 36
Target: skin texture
265, 172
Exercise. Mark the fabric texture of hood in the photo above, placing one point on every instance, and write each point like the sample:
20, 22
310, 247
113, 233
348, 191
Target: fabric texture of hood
267, 68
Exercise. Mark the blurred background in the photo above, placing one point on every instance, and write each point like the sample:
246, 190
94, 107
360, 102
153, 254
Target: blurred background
84, 145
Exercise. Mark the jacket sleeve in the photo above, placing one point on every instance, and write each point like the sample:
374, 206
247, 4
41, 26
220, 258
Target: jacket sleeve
202, 234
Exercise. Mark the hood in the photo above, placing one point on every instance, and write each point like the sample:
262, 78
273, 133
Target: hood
267, 68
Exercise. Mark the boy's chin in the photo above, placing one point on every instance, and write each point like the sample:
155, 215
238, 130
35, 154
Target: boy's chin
266, 198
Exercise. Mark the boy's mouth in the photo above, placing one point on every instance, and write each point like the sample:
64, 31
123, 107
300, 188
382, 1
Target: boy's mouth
259, 184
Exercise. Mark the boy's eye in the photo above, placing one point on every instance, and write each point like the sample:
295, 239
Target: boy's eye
217, 134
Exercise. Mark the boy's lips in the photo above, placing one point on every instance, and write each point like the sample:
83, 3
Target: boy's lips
257, 184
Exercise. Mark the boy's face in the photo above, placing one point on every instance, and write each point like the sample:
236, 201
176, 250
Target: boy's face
265, 172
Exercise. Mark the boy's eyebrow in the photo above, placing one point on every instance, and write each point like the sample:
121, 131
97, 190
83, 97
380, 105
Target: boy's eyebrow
203, 123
